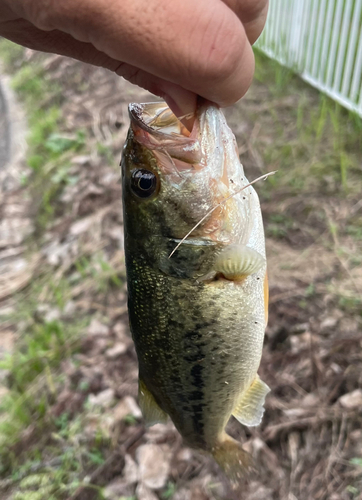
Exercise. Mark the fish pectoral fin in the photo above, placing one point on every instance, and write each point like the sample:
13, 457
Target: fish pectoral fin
236, 262
250, 409
152, 413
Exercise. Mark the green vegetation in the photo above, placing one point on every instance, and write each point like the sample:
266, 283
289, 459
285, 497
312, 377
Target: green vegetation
43, 346
56, 456
316, 143
54, 471
11, 54
32, 369
279, 225
48, 156
97, 269
49, 150
169, 492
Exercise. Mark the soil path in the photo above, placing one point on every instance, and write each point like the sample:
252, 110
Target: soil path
4, 130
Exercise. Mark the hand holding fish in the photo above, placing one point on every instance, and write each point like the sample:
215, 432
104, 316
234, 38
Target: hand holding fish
176, 50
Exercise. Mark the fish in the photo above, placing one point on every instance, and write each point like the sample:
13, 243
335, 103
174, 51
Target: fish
198, 316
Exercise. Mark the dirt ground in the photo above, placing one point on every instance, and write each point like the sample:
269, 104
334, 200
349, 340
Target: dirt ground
309, 445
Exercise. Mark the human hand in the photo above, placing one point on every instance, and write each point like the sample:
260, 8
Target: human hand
176, 50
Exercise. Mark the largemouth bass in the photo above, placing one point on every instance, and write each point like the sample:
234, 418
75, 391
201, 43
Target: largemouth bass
198, 317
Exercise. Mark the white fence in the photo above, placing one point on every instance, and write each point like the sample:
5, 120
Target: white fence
322, 41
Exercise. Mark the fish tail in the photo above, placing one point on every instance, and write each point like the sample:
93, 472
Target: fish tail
232, 458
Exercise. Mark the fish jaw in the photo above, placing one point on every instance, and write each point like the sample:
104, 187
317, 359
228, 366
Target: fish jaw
156, 127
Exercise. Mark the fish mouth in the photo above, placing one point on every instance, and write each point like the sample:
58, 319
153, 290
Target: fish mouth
155, 126
180, 151
154, 116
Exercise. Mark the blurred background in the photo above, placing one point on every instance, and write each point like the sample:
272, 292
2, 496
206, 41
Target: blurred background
70, 425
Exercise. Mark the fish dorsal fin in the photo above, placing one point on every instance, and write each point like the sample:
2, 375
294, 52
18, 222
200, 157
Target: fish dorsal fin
236, 262
152, 413
250, 409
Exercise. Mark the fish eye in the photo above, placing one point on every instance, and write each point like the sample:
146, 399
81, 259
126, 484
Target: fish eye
143, 183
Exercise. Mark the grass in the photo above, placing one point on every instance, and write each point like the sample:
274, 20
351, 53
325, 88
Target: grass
49, 150
316, 146
43, 346
32, 369
52, 465
278, 225
99, 270
323, 139
11, 54
55, 471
